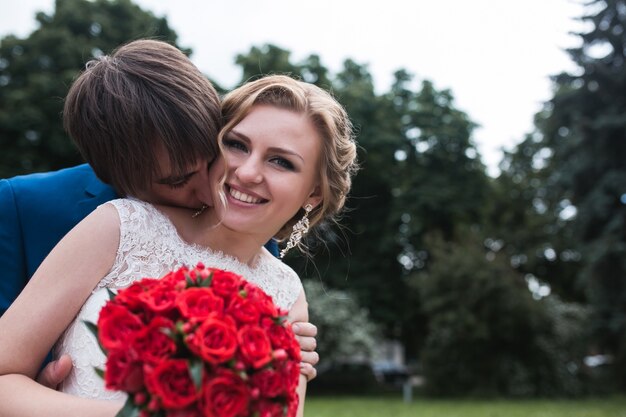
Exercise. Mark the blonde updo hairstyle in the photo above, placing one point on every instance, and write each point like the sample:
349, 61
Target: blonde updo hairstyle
338, 152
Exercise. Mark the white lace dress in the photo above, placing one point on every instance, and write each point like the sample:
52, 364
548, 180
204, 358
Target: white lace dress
150, 246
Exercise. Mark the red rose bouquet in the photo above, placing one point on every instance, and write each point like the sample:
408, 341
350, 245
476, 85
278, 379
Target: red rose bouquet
199, 342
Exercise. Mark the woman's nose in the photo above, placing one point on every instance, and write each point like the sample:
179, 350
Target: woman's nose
249, 171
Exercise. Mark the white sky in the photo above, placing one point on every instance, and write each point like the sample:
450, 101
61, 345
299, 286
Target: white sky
494, 55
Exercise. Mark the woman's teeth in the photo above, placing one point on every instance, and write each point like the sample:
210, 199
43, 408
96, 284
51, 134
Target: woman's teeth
238, 195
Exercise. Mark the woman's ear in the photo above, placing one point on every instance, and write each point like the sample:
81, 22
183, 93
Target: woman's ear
315, 198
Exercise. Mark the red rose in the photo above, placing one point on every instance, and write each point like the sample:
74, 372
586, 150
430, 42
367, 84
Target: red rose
225, 395
215, 340
271, 409
176, 276
117, 326
290, 374
160, 298
282, 337
191, 411
269, 382
292, 403
255, 346
130, 296
244, 310
264, 303
294, 348
123, 371
225, 283
152, 343
199, 303
171, 382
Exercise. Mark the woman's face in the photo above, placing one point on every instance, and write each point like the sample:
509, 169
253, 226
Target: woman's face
272, 159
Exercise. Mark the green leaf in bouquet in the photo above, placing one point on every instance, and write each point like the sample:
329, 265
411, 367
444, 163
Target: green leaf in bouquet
196, 368
172, 334
129, 409
111, 294
179, 329
94, 330
99, 372
190, 282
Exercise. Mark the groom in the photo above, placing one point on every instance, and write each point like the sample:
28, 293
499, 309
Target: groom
146, 120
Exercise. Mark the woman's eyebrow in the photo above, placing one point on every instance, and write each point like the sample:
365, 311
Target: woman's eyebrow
272, 149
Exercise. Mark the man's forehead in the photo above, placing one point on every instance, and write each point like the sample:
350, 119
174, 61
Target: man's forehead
166, 170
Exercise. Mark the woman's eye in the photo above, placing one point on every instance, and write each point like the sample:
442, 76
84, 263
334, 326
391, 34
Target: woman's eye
283, 163
235, 144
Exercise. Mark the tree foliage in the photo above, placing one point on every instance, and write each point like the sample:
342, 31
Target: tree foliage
346, 333
487, 335
576, 169
36, 72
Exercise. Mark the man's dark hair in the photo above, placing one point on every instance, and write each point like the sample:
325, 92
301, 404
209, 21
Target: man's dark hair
147, 95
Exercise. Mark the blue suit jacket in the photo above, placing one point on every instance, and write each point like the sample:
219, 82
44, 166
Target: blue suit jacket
36, 211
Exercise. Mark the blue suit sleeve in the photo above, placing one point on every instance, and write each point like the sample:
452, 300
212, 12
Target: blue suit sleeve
12, 262
272, 247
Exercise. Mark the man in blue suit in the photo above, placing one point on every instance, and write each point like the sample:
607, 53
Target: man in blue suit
37, 210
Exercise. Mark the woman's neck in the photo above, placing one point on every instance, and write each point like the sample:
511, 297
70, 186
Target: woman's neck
206, 230
245, 247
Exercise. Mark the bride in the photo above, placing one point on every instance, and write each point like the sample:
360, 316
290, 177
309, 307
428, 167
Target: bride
287, 156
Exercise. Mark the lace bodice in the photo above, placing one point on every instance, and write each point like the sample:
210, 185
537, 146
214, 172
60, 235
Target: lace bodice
150, 246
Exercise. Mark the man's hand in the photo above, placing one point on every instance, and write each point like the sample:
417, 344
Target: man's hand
305, 334
55, 372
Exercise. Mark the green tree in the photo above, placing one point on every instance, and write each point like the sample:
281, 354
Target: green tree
439, 184
530, 223
487, 335
345, 331
36, 72
581, 139
443, 185
369, 225
271, 59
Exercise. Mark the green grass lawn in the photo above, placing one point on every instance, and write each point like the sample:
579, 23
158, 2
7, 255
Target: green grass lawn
420, 407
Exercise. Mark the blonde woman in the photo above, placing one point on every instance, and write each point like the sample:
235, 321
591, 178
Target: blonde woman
287, 160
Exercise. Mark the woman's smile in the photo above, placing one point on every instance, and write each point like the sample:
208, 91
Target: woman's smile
243, 196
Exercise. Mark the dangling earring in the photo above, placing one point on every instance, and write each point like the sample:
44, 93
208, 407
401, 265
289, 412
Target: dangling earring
299, 230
